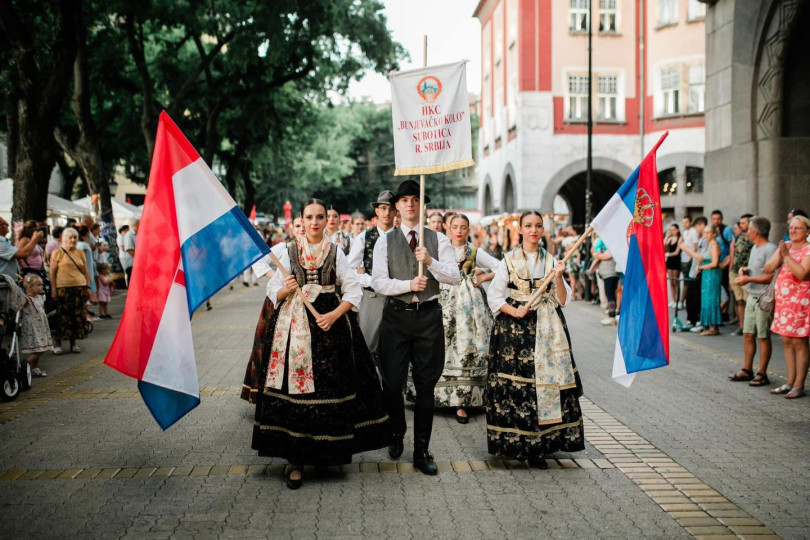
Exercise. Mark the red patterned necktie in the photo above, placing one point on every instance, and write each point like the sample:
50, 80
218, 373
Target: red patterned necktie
412, 241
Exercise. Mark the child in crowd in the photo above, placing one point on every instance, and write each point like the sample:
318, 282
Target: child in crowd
105, 284
35, 334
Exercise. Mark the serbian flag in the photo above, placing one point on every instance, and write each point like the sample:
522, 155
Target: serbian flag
630, 225
193, 240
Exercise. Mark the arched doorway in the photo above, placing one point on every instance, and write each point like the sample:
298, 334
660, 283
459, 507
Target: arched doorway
603, 185
508, 194
487, 200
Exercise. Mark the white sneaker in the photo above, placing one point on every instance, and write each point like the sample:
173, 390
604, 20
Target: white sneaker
609, 321
672, 304
36, 372
696, 329
679, 306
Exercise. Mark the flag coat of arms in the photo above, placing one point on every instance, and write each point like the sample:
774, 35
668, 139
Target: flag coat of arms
631, 227
431, 113
192, 241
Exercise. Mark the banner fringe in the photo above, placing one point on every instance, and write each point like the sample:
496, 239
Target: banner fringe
434, 169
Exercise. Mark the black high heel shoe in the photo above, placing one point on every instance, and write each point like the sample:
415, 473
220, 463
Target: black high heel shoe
294, 483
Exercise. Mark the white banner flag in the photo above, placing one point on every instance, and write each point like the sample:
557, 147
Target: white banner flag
431, 114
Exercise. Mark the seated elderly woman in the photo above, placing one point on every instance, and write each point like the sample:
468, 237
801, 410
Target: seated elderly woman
70, 279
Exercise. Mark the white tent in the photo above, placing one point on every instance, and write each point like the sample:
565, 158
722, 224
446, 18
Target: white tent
121, 210
57, 206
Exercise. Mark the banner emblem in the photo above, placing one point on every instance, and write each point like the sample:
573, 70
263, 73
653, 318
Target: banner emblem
429, 88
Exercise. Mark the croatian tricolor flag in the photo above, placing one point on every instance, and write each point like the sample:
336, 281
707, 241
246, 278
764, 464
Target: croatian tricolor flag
630, 225
192, 241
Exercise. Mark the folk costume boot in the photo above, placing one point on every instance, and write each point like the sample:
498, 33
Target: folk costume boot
394, 404
422, 427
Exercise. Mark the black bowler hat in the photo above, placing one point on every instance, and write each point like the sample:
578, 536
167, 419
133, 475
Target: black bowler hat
408, 187
383, 198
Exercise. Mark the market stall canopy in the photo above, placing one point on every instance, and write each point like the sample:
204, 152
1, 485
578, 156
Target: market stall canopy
121, 209
56, 205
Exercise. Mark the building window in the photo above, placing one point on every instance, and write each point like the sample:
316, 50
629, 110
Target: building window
670, 81
697, 10
608, 98
667, 12
607, 15
667, 182
694, 180
579, 15
697, 89
578, 97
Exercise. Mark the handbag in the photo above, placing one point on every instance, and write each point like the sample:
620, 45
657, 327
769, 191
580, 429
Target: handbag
766, 300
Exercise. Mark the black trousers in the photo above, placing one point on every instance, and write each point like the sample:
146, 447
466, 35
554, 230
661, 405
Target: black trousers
693, 301
414, 338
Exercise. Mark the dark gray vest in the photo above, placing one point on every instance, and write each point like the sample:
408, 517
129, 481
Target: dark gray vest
402, 264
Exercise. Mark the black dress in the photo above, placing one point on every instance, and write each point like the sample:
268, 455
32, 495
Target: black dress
344, 416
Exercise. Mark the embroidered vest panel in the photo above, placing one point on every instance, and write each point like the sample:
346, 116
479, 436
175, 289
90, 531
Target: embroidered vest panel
402, 264
467, 266
522, 284
368, 252
325, 275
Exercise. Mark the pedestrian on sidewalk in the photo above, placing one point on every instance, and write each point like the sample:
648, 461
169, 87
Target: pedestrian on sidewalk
321, 400
607, 271
467, 326
105, 289
35, 334
792, 304
711, 283
672, 253
264, 267
740, 253
70, 287
361, 258
412, 320
533, 386
757, 322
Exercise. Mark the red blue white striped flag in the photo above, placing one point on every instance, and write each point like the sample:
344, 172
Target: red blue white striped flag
192, 241
630, 225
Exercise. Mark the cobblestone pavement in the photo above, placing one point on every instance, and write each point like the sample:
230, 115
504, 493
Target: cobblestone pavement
681, 453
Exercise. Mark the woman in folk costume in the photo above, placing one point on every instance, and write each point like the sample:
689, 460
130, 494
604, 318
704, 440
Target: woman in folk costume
533, 387
467, 325
263, 267
321, 400
336, 235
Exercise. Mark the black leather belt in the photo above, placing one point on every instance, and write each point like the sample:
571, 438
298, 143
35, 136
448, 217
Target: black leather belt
399, 305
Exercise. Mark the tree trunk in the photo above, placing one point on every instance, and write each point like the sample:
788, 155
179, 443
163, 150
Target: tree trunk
148, 118
250, 189
13, 133
41, 87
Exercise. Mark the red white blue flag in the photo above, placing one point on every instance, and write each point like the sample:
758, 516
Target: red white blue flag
192, 241
630, 225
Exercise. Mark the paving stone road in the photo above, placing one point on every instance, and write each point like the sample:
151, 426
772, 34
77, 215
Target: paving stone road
681, 453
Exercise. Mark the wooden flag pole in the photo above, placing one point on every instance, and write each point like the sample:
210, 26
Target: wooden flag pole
422, 185
300, 292
543, 286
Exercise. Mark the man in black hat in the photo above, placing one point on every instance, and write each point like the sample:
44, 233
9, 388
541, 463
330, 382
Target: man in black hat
361, 257
411, 325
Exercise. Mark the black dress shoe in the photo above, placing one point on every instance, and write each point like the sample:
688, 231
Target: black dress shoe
461, 419
396, 447
538, 463
294, 484
423, 461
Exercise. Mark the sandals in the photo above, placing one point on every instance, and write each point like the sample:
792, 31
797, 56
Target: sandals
748, 375
784, 389
795, 393
761, 379
57, 351
75, 349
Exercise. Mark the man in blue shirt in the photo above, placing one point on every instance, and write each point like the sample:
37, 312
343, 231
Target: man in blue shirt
9, 253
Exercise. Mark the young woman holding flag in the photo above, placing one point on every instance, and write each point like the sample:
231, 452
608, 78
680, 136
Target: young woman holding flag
320, 400
533, 386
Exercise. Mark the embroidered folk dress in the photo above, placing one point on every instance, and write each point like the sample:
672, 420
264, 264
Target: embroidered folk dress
467, 326
320, 400
533, 386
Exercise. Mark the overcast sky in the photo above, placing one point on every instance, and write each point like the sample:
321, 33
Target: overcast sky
453, 34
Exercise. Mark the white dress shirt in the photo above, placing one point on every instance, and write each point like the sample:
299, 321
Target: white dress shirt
485, 260
265, 264
445, 269
499, 286
346, 279
356, 255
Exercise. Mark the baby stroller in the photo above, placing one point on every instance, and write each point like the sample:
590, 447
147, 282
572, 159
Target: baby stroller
15, 375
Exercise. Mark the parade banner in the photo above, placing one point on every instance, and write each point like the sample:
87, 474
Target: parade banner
431, 115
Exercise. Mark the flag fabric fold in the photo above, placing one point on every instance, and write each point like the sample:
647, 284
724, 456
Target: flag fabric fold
193, 240
631, 227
